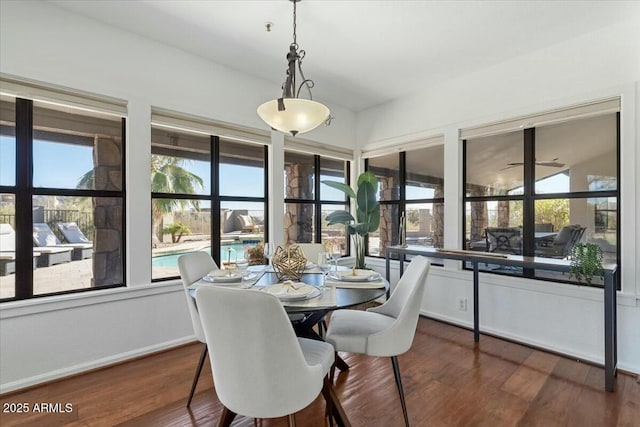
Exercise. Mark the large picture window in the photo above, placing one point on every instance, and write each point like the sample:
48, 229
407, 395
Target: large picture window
208, 194
61, 199
410, 182
308, 201
541, 190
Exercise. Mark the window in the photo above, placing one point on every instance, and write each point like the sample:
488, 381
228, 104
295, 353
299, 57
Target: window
199, 180
180, 198
410, 182
308, 201
554, 185
61, 198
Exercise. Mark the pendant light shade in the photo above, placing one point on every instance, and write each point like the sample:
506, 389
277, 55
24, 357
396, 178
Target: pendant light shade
290, 113
298, 116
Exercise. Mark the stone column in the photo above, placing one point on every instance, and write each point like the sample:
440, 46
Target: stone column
438, 218
478, 218
503, 213
298, 218
107, 212
388, 214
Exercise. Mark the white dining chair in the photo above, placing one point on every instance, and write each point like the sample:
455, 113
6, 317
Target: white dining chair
312, 250
262, 369
192, 267
386, 330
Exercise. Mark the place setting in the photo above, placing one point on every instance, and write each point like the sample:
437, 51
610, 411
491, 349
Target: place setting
235, 273
293, 291
355, 278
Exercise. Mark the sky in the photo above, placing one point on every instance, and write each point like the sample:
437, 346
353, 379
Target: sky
62, 165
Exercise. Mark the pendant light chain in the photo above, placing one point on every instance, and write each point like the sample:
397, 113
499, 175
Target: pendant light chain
295, 42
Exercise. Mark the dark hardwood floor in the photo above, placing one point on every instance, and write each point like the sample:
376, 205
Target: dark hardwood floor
448, 382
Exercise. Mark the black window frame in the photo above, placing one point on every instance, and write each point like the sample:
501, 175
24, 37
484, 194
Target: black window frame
402, 198
24, 191
317, 202
529, 197
215, 199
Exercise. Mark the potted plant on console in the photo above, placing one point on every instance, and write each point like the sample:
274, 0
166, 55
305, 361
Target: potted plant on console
367, 212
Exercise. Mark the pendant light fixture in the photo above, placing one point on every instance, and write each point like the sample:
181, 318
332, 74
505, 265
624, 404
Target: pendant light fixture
289, 113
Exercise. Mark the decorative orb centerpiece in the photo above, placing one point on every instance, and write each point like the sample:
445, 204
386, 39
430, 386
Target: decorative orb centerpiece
289, 262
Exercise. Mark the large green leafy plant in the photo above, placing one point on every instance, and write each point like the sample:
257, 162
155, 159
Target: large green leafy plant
367, 212
586, 262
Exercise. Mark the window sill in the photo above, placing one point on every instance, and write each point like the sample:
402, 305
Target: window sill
31, 306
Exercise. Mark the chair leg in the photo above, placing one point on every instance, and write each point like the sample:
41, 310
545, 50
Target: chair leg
396, 373
203, 356
292, 420
337, 411
226, 418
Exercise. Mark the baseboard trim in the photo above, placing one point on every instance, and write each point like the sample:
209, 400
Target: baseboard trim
83, 368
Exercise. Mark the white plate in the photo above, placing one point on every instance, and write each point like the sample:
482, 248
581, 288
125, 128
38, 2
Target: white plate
222, 277
360, 275
290, 291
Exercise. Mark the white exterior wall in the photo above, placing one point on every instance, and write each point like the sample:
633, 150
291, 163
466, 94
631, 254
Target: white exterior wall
565, 318
48, 338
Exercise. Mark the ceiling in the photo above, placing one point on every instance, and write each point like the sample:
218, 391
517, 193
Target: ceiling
359, 53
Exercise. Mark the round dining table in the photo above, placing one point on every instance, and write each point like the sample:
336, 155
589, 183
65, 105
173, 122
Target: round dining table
336, 295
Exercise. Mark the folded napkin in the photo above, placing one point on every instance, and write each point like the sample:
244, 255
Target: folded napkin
289, 289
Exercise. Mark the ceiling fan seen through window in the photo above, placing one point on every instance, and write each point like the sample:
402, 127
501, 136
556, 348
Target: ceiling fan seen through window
551, 163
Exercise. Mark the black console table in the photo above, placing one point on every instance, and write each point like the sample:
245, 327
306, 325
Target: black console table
475, 258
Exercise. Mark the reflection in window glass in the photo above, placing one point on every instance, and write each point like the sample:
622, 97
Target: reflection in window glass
76, 149
387, 169
583, 150
241, 169
7, 141
495, 165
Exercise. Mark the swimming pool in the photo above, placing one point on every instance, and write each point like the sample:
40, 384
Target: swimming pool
171, 259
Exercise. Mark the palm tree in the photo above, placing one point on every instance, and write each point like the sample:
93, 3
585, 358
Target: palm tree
167, 176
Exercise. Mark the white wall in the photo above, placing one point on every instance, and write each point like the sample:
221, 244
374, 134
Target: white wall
564, 318
52, 337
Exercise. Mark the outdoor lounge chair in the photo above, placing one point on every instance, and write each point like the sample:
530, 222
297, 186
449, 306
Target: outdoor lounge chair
52, 251
562, 244
506, 240
74, 237
72, 233
7, 251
